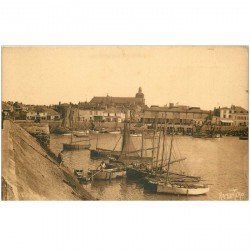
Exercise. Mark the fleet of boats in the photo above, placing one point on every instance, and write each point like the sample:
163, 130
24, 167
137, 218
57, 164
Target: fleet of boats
151, 166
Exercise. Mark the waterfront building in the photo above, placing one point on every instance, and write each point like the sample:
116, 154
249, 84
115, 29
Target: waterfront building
102, 115
233, 116
176, 115
182, 118
43, 113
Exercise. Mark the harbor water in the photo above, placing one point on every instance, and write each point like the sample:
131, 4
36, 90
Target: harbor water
221, 162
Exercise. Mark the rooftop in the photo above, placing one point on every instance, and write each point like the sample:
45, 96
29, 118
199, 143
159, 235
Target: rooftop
177, 109
110, 99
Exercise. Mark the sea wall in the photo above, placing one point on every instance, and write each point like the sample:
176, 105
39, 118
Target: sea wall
30, 173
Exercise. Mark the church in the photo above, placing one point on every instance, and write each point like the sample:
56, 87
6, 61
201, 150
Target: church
119, 102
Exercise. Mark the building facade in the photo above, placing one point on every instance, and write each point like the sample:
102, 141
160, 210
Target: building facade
118, 102
42, 113
233, 116
183, 115
102, 115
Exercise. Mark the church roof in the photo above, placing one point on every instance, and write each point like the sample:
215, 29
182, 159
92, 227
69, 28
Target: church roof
109, 99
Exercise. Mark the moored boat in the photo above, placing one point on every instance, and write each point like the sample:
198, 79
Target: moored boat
107, 174
243, 137
183, 189
81, 133
74, 146
116, 132
107, 171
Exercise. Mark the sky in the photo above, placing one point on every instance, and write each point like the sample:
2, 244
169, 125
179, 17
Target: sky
203, 76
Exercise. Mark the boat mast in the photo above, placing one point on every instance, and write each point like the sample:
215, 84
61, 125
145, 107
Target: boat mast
164, 137
125, 134
78, 118
170, 154
142, 137
158, 147
155, 130
97, 140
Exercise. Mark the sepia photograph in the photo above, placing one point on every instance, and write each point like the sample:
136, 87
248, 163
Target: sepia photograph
124, 125
118, 123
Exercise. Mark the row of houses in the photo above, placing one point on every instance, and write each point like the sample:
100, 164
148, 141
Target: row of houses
171, 114
178, 114
29, 112
101, 115
43, 113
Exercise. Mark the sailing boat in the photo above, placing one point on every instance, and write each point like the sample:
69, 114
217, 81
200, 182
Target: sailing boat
128, 150
173, 183
74, 145
115, 168
141, 169
157, 175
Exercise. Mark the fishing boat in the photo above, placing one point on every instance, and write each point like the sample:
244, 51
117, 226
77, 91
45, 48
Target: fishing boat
75, 146
107, 171
116, 167
128, 150
157, 175
180, 185
243, 137
180, 189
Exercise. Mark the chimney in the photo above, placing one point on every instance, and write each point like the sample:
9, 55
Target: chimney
171, 105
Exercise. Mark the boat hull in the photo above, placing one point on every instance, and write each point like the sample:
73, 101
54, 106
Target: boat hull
134, 173
173, 189
67, 146
99, 154
109, 174
243, 137
81, 135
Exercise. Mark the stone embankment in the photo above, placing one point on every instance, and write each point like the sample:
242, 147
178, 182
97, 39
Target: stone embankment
30, 173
